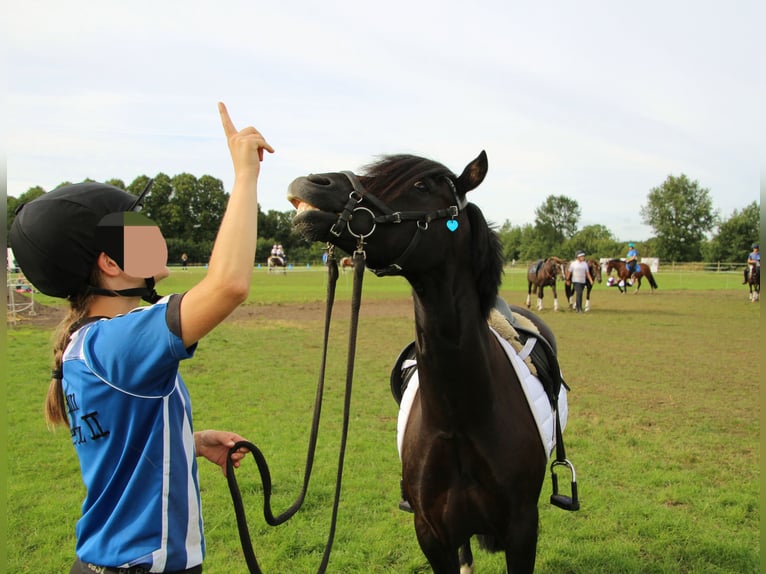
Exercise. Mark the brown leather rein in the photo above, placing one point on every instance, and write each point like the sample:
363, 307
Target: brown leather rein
260, 460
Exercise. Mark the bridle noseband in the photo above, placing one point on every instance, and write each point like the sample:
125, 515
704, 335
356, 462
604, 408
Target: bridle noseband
353, 208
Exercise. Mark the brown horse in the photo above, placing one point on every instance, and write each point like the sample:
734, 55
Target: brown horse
627, 277
346, 264
472, 462
594, 267
275, 263
754, 283
541, 274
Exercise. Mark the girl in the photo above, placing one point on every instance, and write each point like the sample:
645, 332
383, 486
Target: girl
115, 379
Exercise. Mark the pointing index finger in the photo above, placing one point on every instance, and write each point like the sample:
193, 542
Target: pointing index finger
228, 125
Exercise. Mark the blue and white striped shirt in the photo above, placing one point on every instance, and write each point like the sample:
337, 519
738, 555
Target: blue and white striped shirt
131, 424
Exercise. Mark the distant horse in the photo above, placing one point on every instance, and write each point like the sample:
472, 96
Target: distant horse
541, 274
624, 275
754, 283
472, 462
346, 264
595, 271
275, 263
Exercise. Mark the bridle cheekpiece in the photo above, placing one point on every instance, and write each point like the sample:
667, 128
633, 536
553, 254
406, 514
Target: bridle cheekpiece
353, 210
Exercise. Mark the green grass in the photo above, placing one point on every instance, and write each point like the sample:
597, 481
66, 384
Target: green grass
664, 432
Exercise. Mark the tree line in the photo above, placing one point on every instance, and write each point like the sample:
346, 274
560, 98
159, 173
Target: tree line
189, 210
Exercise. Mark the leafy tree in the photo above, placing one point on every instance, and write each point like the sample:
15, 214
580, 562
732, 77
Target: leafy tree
555, 221
13, 203
681, 213
157, 204
208, 207
596, 240
116, 183
735, 235
534, 245
511, 239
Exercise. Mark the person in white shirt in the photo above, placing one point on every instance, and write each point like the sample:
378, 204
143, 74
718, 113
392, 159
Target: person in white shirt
578, 275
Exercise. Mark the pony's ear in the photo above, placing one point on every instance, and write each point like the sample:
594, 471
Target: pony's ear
473, 174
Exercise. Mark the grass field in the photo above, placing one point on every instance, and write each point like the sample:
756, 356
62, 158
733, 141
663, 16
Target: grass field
664, 430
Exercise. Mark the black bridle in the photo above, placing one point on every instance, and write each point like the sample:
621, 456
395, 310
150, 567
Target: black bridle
260, 459
353, 212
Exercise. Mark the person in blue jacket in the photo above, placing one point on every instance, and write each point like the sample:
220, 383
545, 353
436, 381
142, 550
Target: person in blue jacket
631, 259
115, 380
753, 260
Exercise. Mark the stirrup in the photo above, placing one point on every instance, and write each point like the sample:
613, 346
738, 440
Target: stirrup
560, 500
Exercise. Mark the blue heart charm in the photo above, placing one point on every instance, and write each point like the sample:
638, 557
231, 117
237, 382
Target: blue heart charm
452, 224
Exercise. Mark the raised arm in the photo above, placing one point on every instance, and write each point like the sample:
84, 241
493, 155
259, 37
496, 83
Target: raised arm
230, 270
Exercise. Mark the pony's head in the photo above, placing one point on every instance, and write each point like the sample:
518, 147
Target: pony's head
614, 264
595, 269
410, 216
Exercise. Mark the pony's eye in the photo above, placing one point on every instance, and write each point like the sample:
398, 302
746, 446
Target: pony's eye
420, 186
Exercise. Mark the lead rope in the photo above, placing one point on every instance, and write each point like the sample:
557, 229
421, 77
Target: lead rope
260, 460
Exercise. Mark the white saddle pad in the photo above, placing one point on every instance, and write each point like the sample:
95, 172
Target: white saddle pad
533, 390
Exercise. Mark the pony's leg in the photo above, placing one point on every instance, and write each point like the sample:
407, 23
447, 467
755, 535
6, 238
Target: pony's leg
521, 547
587, 298
443, 560
555, 298
529, 294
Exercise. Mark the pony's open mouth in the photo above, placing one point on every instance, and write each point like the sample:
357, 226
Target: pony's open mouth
300, 205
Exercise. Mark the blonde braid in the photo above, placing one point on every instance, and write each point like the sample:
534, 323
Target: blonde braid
55, 402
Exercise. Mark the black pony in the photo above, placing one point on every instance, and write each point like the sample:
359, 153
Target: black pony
473, 461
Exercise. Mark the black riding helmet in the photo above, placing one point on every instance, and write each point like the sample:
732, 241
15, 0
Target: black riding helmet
55, 241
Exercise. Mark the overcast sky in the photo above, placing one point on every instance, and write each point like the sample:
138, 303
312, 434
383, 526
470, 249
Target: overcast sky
598, 101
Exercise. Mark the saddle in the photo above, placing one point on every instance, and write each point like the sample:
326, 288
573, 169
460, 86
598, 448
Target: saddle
517, 330
535, 267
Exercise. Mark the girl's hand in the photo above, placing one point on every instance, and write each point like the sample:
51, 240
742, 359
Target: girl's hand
214, 445
246, 146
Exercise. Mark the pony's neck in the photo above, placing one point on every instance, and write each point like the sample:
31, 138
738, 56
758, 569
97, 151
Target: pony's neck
452, 340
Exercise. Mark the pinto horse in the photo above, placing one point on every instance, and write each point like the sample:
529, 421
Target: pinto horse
275, 263
472, 462
624, 274
754, 283
541, 274
595, 271
346, 264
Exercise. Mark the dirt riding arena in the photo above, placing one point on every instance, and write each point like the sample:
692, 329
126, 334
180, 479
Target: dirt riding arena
49, 316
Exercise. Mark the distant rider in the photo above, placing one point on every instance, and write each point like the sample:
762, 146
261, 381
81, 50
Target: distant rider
631, 259
753, 260
277, 251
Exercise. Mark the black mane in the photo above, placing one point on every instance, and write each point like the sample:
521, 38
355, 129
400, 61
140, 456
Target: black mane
487, 258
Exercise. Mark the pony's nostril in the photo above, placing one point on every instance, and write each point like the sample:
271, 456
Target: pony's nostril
318, 179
